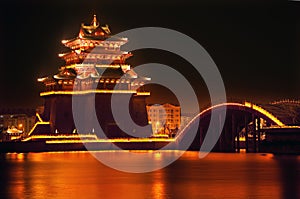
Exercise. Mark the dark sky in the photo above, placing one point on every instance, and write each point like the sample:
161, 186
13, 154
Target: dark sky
255, 44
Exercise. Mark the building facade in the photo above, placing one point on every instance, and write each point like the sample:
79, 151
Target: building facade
14, 126
165, 119
21, 122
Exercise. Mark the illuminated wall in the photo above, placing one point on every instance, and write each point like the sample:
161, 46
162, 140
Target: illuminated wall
164, 117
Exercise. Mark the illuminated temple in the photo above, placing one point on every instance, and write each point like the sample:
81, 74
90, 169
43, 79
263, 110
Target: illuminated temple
94, 60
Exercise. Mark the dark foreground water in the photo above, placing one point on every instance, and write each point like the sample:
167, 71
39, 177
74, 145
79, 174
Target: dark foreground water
80, 175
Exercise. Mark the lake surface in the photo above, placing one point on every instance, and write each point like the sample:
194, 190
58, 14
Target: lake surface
218, 175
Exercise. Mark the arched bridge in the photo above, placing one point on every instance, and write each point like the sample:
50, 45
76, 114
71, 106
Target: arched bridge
245, 125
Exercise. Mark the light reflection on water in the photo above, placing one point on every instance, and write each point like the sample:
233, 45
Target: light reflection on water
80, 175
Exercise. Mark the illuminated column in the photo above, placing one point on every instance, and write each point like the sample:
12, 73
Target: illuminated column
258, 133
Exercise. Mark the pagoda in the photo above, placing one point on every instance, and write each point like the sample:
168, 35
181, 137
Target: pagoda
94, 60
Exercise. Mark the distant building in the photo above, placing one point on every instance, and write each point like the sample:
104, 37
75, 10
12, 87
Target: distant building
13, 126
164, 118
21, 122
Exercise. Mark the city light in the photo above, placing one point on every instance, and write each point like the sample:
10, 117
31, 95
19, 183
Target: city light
20, 126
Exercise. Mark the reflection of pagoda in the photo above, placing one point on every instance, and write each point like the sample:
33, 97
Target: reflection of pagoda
84, 64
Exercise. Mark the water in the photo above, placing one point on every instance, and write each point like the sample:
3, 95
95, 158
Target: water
80, 175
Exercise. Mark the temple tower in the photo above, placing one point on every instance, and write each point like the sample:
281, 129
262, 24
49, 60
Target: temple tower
93, 52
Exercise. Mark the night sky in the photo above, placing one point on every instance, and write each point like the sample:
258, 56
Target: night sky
255, 44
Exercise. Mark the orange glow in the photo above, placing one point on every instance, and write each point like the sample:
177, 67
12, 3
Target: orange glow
41, 79
97, 65
157, 156
241, 139
107, 66
64, 41
112, 140
264, 112
143, 93
286, 127
289, 101
92, 91
61, 55
60, 137
247, 104
91, 138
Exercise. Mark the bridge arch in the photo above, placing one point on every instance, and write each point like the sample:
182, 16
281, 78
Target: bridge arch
238, 117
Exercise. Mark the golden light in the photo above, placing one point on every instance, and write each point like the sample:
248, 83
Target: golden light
157, 156
41, 79
93, 91
247, 104
120, 140
91, 138
35, 125
264, 112
39, 117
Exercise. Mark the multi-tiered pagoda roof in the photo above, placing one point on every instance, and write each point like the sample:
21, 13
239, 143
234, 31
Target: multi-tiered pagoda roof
94, 53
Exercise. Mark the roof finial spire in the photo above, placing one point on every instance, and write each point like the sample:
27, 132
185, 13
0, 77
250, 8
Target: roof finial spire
95, 21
